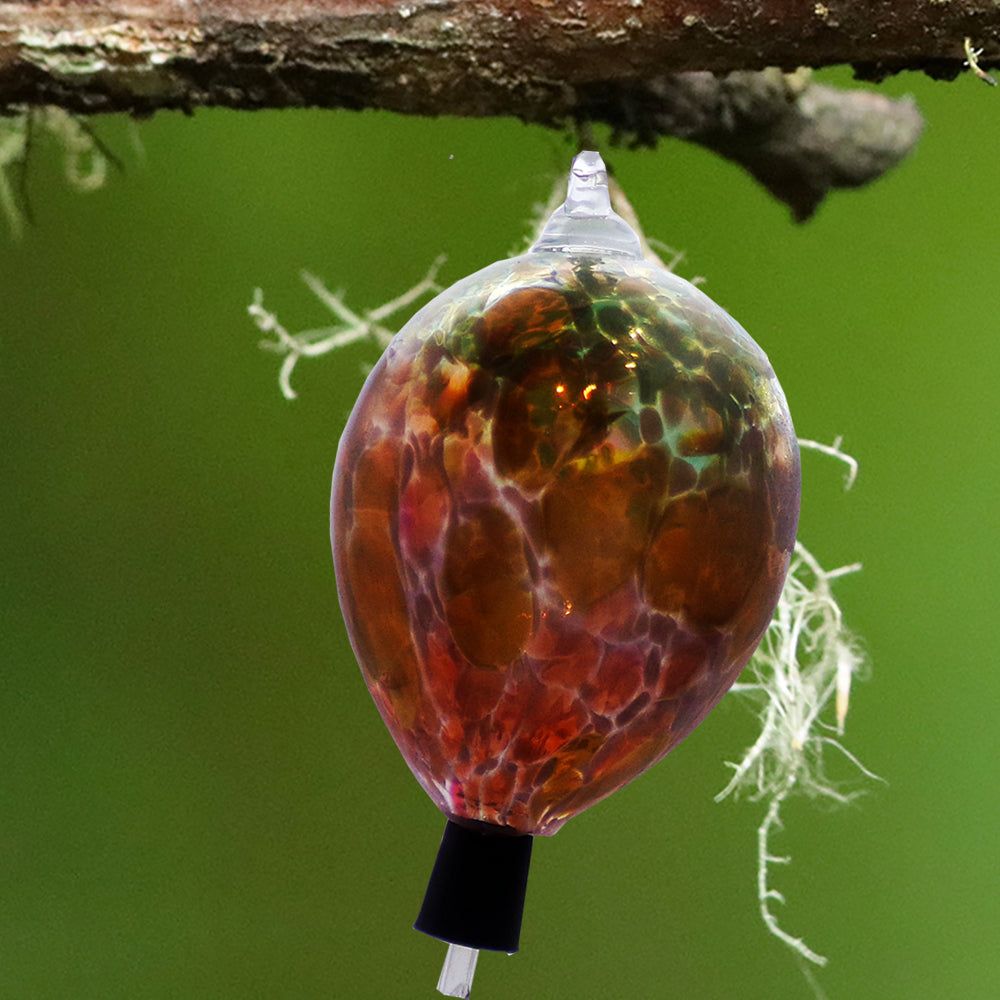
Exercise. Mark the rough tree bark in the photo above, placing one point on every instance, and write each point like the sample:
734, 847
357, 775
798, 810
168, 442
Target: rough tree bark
647, 67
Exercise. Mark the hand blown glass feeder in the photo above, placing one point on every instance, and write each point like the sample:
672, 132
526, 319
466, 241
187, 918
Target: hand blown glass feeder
563, 510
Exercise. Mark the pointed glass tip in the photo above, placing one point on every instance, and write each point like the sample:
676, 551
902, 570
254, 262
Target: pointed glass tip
586, 222
587, 193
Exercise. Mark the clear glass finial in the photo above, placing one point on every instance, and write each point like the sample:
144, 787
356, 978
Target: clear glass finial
585, 222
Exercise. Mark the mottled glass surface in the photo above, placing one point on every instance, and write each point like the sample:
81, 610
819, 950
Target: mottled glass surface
563, 510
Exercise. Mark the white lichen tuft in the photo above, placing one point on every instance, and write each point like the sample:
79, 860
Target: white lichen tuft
800, 683
350, 327
85, 162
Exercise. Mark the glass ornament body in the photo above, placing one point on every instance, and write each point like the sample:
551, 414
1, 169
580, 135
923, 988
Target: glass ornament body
563, 510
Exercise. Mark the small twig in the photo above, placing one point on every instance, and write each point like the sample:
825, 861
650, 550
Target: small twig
972, 61
350, 328
765, 894
834, 452
652, 248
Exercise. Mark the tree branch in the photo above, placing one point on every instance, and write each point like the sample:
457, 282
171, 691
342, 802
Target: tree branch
641, 65
798, 138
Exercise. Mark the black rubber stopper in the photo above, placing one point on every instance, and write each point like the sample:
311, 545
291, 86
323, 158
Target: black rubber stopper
476, 893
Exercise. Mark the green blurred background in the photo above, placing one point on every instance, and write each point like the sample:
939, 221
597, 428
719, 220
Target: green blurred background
197, 797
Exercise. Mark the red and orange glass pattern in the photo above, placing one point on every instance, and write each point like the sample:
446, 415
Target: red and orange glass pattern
563, 511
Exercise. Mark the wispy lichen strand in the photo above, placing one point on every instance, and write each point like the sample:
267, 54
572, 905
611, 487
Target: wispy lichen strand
85, 162
349, 328
799, 681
